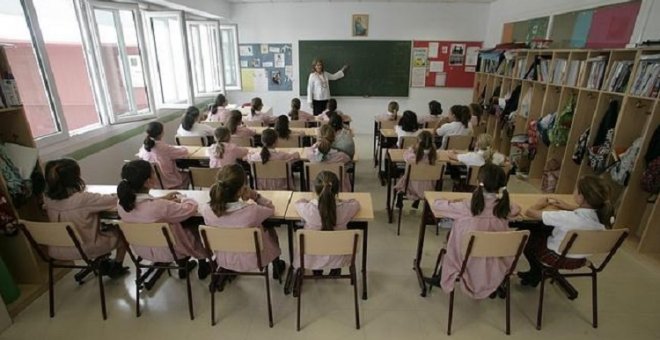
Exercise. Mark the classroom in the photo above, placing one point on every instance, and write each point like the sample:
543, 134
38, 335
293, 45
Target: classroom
329, 169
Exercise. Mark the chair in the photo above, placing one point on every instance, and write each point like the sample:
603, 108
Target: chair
245, 142
478, 130
591, 242
153, 235
388, 124
214, 125
253, 123
273, 169
313, 169
61, 234
297, 123
482, 244
235, 240
157, 171
417, 172
458, 142
408, 141
294, 141
329, 243
191, 140
202, 177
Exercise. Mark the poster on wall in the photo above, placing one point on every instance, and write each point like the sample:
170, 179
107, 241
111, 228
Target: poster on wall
266, 67
418, 72
457, 54
438, 63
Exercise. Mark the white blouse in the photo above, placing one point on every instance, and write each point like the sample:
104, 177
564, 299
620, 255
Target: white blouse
318, 87
197, 130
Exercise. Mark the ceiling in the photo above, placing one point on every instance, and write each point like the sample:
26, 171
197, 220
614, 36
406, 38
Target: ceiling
381, 1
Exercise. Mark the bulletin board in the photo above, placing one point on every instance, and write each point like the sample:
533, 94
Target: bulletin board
266, 67
444, 63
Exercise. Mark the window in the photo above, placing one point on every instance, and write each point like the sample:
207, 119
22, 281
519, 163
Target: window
230, 57
203, 48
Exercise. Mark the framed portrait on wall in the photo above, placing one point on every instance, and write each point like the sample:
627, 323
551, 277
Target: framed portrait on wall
360, 25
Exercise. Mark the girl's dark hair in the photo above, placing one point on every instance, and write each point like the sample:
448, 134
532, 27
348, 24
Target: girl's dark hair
597, 193
476, 110
336, 122
282, 127
462, 114
222, 135
408, 121
220, 100
190, 118
425, 142
255, 105
327, 132
491, 179
153, 130
326, 186
332, 105
234, 121
435, 108
134, 176
63, 179
268, 139
229, 181
295, 109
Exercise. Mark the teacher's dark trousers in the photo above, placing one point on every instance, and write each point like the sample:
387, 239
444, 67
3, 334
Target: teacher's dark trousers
319, 106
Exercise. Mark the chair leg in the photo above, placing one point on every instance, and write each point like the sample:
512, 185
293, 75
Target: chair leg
594, 298
355, 296
190, 301
398, 227
299, 277
102, 291
213, 289
270, 306
508, 304
437, 261
51, 290
137, 294
451, 312
539, 315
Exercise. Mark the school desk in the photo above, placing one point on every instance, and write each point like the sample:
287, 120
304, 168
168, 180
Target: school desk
388, 139
525, 201
265, 110
360, 221
191, 149
307, 132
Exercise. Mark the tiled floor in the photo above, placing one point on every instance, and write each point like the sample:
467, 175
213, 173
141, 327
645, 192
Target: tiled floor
629, 300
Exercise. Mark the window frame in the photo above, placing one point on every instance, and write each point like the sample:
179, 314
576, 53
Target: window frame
234, 28
218, 50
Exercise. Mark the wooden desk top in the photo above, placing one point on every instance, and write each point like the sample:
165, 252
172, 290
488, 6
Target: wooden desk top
265, 109
390, 133
366, 212
201, 153
525, 201
396, 155
192, 149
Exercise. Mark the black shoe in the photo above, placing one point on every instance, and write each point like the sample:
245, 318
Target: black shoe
433, 281
415, 204
189, 266
204, 269
117, 270
335, 272
317, 273
529, 279
399, 201
279, 266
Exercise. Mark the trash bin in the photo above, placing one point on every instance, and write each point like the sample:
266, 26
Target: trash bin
8, 288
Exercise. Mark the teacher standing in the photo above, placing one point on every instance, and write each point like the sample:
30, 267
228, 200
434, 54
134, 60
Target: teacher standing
318, 89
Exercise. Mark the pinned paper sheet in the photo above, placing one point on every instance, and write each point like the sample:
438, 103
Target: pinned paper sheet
264, 48
418, 78
267, 64
433, 49
437, 66
254, 80
244, 63
440, 79
472, 56
245, 51
445, 49
288, 71
273, 50
470, 69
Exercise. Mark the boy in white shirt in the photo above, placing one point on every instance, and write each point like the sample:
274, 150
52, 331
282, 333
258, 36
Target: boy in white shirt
459, 116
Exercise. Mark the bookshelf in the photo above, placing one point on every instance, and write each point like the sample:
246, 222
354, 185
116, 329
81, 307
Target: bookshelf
592, 78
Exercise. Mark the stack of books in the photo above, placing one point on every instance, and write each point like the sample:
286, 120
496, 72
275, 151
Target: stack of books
575, 69
559, 71
522, 67
596, 67
646, 82
544, 69
619, 76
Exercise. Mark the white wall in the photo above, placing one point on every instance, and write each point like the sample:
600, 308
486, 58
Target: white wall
503, 11
220, 8
290, 22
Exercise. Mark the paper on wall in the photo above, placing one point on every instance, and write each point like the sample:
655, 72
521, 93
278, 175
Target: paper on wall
244, 63
267, 64
279, 59
418, 78
419, 56
264, 48
288, 71
260, 80
472, 56
433, 49
245, 51
445, 49
440, 79
437, 66
470, 69
274, 50
247, 79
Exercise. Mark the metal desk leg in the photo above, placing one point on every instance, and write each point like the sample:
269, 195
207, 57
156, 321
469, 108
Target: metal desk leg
388, 178
364, 261
420, 248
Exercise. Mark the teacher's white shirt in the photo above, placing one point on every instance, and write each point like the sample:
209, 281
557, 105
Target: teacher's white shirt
318, 87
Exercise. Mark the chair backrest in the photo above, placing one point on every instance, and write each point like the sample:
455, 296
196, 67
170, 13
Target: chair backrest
494, 243
146, 234
423, 171
478, 130
297, 123
51, 233
387, 124
313, 169
592, 241
335, 242
473, 175
408, 141
273, 169
253, 123
459, 142
190, 140
214, 125
202, 177
293, 142
157, 171
243, 141
231, 239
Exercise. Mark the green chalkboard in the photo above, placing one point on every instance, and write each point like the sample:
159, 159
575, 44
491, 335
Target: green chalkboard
376, 68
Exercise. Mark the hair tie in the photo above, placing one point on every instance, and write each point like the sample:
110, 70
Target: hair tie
481, 184
124, 180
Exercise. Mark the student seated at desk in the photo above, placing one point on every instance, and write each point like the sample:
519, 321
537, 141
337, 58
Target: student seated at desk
256, 115
476, 113
67, 201
459, 117
392, 113
283, 130
435, 115
407, 126
424, 151
229, 208
482, 154
190, 125
236, 127
593, 212
223, 152
268, 152
343, 136
297, 114
484, 211
332, 107
218, 111
327, 212
137, 206
322, 152
154, 150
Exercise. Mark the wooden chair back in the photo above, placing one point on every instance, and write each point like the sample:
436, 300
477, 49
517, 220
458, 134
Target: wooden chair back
146, 234
459, 142
214, 125
494, 243
297, 123
243, 141
202, 177
329, 243
294, 141
592, 241
314, 169
423, 171
273, 169
387, 124
253, 123
408, 141
473, 175
53, 234
191, 140
232, 239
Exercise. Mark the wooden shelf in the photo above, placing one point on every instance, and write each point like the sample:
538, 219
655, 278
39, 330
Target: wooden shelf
30, 292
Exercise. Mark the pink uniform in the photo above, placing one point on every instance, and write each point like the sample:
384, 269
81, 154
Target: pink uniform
309, 212
334, 156
229, 157
429, 121
164, 155
81, 209
260, 117
482, 275
386, 116
277, 183
305, 116
415, 188
242, 131
221, 115
245, 215
149, 209
323, 117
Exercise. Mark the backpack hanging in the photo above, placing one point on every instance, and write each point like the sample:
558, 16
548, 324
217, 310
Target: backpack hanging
650, 181
532, 137
558, 135
608, 122
653, 151
550, 176
581, 147
598, 154
544, 125
512, 102
620, 172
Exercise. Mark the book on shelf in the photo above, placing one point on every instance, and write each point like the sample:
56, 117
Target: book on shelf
647, 76
595, 70
559, 71
544, 69
574, 68
522, 67
619, 75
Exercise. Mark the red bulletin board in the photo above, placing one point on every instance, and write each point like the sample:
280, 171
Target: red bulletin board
456, 75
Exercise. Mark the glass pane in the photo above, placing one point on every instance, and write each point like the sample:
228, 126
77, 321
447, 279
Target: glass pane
25, 69
112, 61
195, 52
203, 50
170, 58
229, 55
135, 69
61, 33
217, 80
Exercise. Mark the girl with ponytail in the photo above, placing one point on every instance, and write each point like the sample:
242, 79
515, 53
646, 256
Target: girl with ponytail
236, 127
217, 111
327, 212
459, 116
593, 211
154, 150
191, 126
268, 153
322, 152
256, 115
235, 205
223, 152
283, 130
424, 152
67, 201
297, 114
489, 209
137, 206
